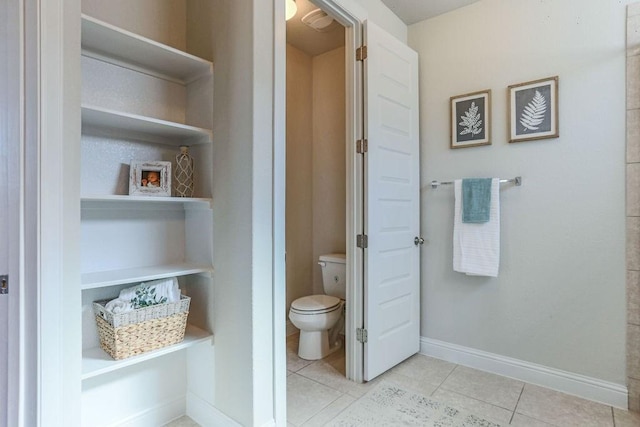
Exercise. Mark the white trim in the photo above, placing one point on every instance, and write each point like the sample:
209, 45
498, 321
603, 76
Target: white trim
13, 118
157, 415
29, 215
555, 379
279, 366
206, 415
58, 140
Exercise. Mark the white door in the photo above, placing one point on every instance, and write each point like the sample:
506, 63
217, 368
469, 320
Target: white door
392, 203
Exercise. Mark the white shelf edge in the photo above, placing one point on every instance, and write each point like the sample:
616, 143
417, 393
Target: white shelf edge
102, 279
156, 130
96, 362
146, 199
122, 47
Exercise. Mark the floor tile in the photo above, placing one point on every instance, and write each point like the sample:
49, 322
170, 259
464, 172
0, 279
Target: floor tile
306, 398
425, 368
475, 406
489, 388
412, 383
325, 373
183, 422
562, 409
295, 363
331, 411
624, 418
520, 420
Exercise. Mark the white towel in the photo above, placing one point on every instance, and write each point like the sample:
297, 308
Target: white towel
118, 306
476, 247
164, 288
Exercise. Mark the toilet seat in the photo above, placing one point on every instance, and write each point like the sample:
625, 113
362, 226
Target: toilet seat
316, 304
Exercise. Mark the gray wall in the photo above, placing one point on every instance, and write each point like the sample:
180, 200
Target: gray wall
559, 300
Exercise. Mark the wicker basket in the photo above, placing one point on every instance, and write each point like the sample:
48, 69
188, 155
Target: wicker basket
129, 334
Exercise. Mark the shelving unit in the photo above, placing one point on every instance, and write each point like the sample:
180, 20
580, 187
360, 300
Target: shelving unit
126, 239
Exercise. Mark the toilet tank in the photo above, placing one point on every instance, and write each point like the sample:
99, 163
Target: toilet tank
334, 272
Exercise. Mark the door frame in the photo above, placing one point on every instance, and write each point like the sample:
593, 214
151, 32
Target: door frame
10, 111
352, 21
354, 318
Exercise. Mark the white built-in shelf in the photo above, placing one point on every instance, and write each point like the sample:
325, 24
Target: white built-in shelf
115, 45
142, 127
96, 362
102, 279
111, 199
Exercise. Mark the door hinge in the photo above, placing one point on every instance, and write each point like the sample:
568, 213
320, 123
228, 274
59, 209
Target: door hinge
361, 335
361, 53
4, 284
362, 146
362, 241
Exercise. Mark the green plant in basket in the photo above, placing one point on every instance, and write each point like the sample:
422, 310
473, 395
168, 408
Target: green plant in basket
145, 297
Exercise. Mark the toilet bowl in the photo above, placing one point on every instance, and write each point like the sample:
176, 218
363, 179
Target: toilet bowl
320, 317
316, 316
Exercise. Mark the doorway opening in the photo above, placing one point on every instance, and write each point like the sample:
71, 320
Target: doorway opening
316, 181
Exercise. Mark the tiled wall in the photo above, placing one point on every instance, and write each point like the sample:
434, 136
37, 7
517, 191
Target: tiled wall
633, 205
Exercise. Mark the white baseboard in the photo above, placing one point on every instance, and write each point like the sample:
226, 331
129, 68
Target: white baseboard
158, 415
206, 414
578, 385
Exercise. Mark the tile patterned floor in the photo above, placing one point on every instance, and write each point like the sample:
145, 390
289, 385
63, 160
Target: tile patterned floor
317, 392
504, 400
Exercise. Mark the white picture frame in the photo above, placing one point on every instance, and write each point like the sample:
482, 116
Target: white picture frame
150, 178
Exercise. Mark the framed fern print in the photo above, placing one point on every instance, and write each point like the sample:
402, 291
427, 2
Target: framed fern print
471, 119
533, 110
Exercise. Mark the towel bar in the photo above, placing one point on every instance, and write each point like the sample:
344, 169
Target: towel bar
517, 180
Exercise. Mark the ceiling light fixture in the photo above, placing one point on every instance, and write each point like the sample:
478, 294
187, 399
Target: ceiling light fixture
291, 10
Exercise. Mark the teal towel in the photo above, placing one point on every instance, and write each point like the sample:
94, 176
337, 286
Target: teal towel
476, 200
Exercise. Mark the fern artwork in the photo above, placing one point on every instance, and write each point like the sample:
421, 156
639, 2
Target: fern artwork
534, 110
534, 115
470, 119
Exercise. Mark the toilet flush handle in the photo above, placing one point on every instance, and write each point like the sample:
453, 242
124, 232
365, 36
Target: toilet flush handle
322, 263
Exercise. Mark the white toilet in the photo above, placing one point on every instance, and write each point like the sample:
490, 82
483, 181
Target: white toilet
318, 316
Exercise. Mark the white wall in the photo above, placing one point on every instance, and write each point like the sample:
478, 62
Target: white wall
232, 186
379, 13
375, 11
559, 300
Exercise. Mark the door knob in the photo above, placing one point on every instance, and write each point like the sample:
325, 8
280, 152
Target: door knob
418, 241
